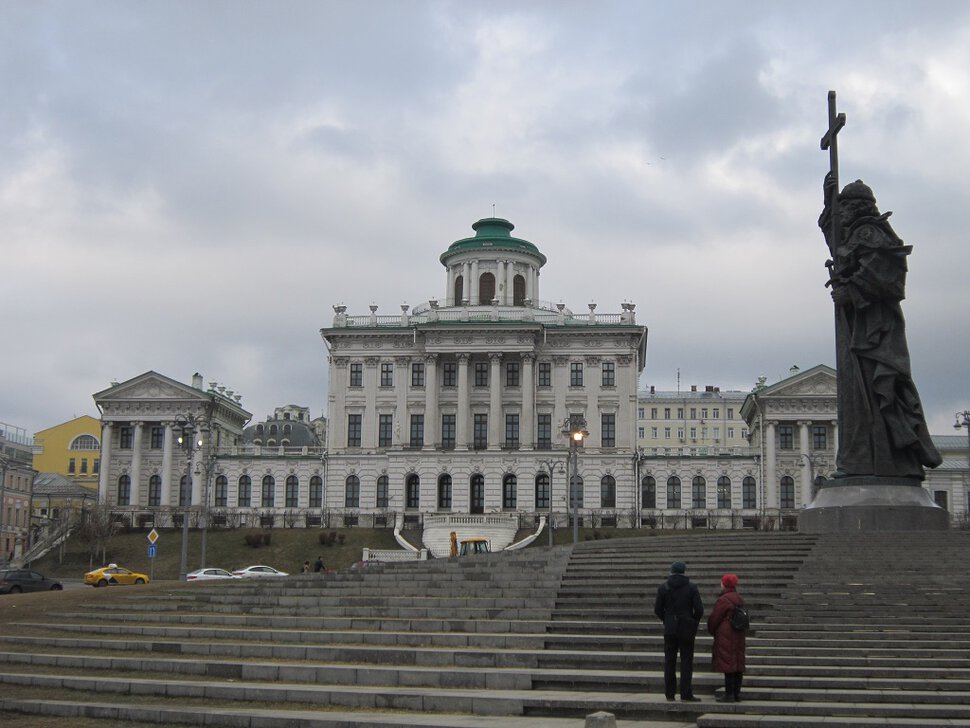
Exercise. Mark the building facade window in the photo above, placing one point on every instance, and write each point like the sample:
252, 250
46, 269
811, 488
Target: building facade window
444, 492
316, 492
476, 493
480, 432
786, 492
244, 494
698, 492
609, 374
510, 496
512, 374
666, 413
673, 492
448, 424
124, 490
387, 374
352, 492
126, 436
155, 490
221, 497
542, 493
268, 494
85, 442
383, 497
648, 492
576, 374
412, 491
156, 440
71, 466
819, 437
512, 431
449, 374
786, 437
544, 374
544, 432
486, 288
417, 374
354, 426
84, 466
608, 430
481, 374
724, 492
749, 493
417, 431
385, 430
518, 290
292, 492
608, 492
356, 374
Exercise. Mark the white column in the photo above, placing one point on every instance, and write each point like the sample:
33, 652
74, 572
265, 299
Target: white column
449, 285
509, 287
368, 434
401, 383
474, 284
771, 485
105, 463
432, 421
135, 472
166, 493
495, 402
532, 282
527, 433
807, 466
466, 283
461, 424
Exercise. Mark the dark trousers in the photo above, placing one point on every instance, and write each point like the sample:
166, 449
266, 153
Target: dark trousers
673, 645
732, 684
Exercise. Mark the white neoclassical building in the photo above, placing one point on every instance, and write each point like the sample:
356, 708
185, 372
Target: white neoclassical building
457, 406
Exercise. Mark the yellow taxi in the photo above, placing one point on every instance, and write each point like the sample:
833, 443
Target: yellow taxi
112, 574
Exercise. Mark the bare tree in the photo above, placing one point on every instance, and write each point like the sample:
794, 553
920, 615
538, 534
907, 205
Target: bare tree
98, 527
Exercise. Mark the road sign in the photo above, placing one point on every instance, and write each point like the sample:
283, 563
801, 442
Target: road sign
152, 550
152, 536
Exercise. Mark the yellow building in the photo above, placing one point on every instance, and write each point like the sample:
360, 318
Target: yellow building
71, 449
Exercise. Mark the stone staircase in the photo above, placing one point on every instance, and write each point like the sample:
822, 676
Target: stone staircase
848, 631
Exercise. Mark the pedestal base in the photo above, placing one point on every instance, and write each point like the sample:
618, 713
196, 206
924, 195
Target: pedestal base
872, 504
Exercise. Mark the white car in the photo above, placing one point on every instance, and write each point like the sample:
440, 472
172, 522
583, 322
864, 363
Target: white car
258, 571
210, 573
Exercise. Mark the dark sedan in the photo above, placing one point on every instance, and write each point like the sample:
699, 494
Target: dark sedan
15, 581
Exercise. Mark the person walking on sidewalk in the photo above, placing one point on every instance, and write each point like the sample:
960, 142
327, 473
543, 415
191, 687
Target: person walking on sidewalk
729, 642
679, 607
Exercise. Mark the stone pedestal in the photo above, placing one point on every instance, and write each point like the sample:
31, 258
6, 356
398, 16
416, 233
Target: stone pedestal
872, 504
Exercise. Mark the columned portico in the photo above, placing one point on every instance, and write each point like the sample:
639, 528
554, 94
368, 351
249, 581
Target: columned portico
771, 482
135, 472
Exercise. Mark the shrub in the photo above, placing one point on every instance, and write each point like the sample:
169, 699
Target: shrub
267, 538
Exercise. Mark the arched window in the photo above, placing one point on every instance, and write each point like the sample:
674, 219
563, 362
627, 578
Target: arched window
648, 492
316, 492
85, 442
510, 496
124, 490
749, 493
608, 492
269, 492
486, 288
185, 491
273, 429
444, 492
576, 491
476, 493
786, 493
222, 492
382, 491
698, 492
724, 492
542, 492
155, 490
352, 492
459, 289
292, 492
244, 497
412, 491
287, 429
673, 492
518, 291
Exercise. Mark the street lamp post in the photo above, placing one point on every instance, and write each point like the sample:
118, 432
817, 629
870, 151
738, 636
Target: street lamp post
190, 440
963, 420
550, 466
575, 427
210, 466
4, 461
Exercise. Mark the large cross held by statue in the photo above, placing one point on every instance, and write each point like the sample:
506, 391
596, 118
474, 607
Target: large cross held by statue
830, 141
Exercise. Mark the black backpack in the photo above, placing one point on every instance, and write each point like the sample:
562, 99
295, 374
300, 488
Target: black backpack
740, 619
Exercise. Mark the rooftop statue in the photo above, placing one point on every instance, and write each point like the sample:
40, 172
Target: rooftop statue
882, 429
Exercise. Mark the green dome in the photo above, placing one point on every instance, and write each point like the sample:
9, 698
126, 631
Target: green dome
493, 233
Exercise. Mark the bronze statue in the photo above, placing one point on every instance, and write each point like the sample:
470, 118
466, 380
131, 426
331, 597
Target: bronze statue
882, 430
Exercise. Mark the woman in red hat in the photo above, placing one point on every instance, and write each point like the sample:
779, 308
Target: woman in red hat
729, 643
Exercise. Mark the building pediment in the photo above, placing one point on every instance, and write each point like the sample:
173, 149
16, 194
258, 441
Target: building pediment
819, 383
150, 386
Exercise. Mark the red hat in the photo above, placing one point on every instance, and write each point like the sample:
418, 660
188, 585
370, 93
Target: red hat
729, 581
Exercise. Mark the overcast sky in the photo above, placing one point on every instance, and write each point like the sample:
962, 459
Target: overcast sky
191, 186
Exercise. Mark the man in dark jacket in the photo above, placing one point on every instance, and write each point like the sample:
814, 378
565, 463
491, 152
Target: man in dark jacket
680, 608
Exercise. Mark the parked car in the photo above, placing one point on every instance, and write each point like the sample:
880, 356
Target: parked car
210, 573
14, 581
112, 574
258, 571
